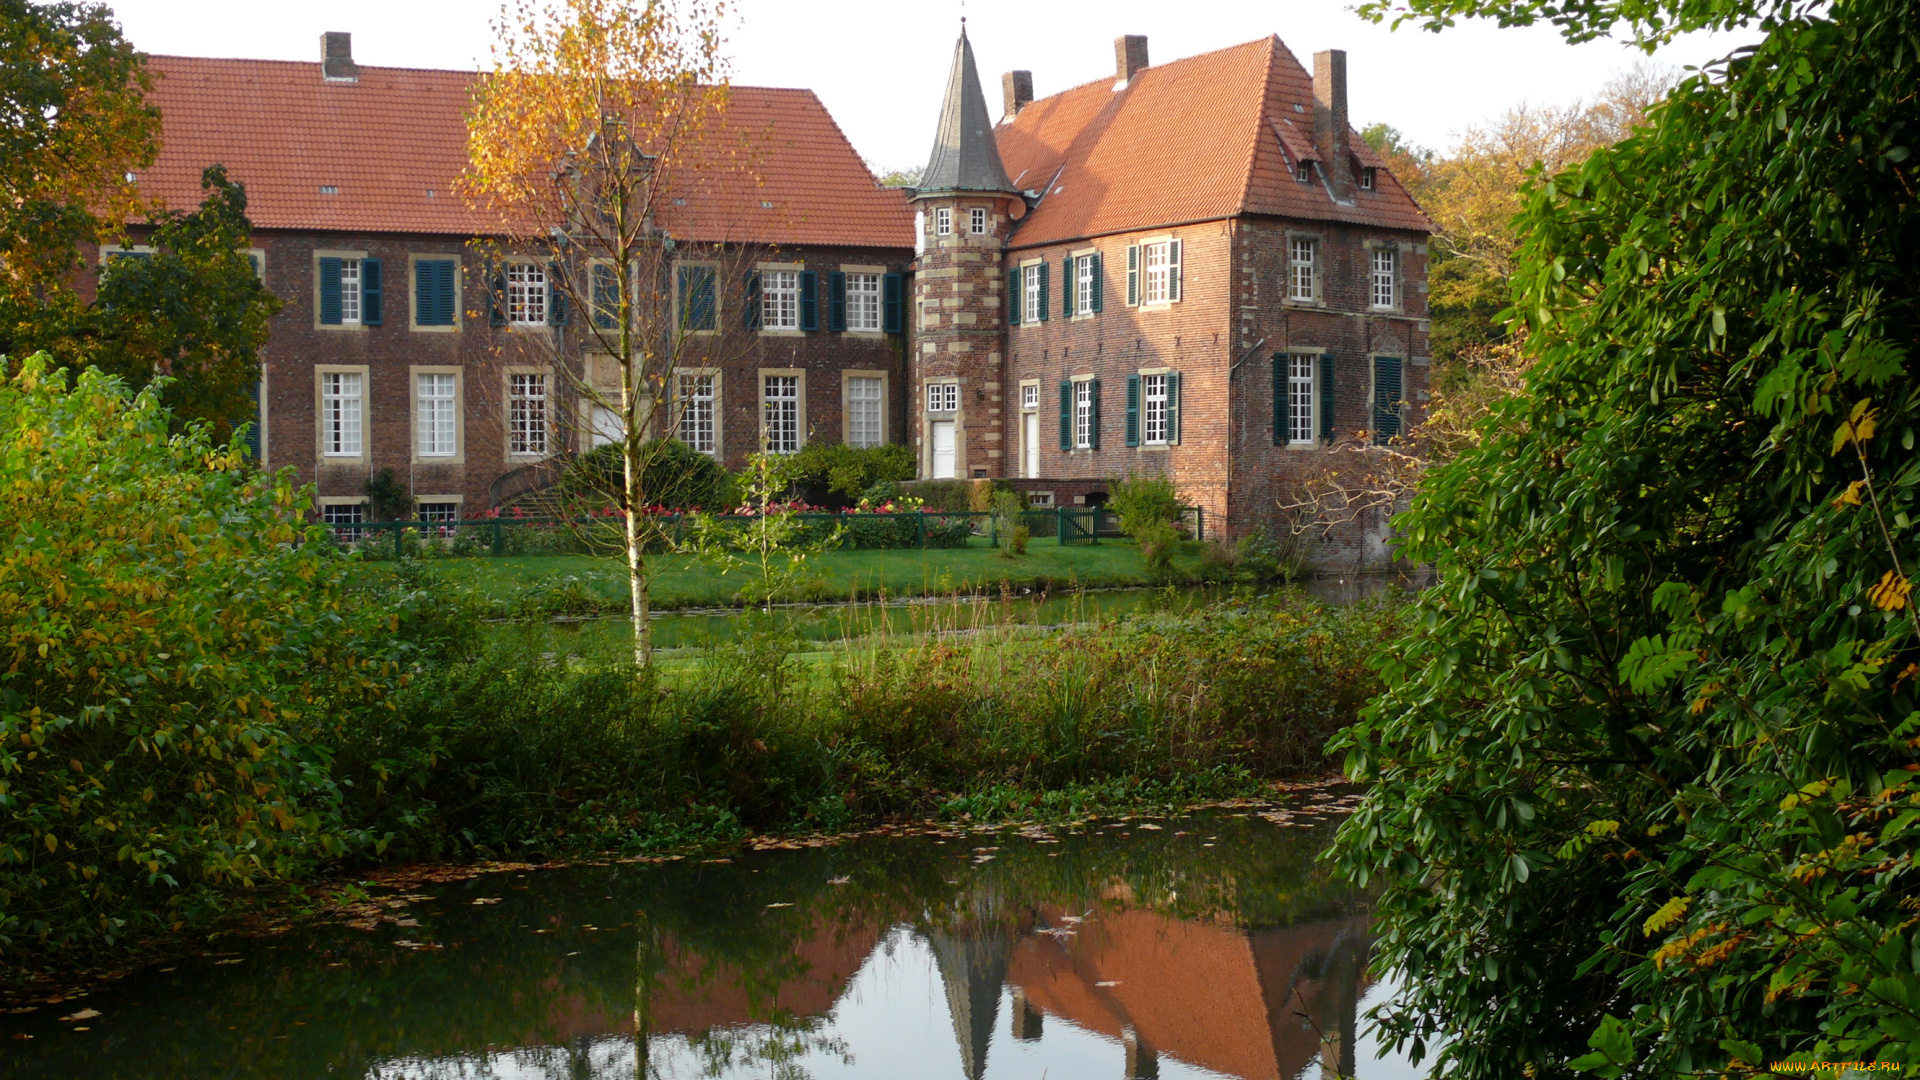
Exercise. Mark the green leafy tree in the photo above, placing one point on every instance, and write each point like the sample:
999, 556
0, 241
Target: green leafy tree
194, 311
1644, 782
76, 129
175, 641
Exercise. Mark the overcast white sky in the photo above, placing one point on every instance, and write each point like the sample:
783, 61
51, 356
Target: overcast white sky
880, 64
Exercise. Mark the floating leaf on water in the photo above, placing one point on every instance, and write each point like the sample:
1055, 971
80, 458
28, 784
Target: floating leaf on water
222, 963
83, 1014
781, 904
1108, 982
841, 880
486, 900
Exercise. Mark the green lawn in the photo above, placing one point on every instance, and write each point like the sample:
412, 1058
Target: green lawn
683, 581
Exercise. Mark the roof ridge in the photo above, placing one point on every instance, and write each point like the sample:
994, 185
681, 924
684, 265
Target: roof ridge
430, 70
1108, 80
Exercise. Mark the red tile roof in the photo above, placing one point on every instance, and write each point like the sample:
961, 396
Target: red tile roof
1198, 139
381, 155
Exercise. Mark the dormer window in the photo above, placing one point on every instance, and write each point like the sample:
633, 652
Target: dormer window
1366, 178
1303, 172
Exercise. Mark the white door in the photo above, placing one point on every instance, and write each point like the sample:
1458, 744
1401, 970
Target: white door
943, 450
1030, 443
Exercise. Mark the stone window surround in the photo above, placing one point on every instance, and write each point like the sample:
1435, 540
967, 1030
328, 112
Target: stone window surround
320, 410
507, 373
1159, 447
1399, 275
413, 291
881, 272
760, 397
1319, 267
719, 293
1319, 352
772, 331
719, 406
886, 401
337, 253
459, 456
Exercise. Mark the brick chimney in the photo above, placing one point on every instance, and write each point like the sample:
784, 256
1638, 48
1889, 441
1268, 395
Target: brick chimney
1017, 87
1330, 120
1129, 56
336, 57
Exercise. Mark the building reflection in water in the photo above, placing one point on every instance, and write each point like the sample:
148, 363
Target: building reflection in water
1259, 1004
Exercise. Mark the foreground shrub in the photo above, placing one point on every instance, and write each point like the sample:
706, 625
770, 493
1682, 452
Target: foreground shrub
164, 634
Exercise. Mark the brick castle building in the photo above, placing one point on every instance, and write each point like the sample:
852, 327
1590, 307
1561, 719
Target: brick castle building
1194, 270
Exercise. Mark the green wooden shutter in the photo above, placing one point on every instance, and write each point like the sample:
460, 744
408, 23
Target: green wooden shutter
370, 292
1093, 418
253, 423
606, 296
1069, 288
1099, 282
426, 295
893, 304
1133, 274
449, 292
1066, 414
705, 282
1046, 291
1013, 297
1133, 410
809, 300
1326, 396
329, 291
836, 301
497, 298
1173, 270
751, 313
1279, 399
556, 300
1173, 408
1386, 398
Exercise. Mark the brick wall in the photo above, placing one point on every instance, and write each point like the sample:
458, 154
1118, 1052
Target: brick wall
1190, 337
484, 354
1343, 322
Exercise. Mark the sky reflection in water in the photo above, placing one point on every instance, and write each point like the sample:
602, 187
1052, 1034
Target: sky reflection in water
1209, 947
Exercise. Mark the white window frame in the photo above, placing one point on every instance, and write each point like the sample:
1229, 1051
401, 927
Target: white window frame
863, 303
943, 221
1383, 278
977, 221
1368, 179
865, 395
529, 413
782, 410
343, 514
1030, 397
1303, 399
943, 397
779, 299
350, 292
343, 413
526, 297
1083, 284
1154, 413
1032, 302
1083, 414
436, 415
1303, 172
1303, 269
698, 425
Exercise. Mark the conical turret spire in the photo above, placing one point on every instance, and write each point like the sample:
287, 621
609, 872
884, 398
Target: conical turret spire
964, 155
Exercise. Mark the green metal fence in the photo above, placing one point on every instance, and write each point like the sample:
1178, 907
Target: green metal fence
917, 529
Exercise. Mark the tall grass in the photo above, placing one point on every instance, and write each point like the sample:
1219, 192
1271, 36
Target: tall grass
540, 740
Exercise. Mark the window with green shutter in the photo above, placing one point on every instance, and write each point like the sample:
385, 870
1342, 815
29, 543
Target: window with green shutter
1133, 274
836, 301
433, 292
556, 299
1066, 414
1387, 392
809, 300
1326, 397
1044, 292
697, 310
1099, 282
1280, 391
329, 290
1013, 297
893, 304
1068, 284
1133, 410
1173, 408
370, 292
606, 295
1093, 414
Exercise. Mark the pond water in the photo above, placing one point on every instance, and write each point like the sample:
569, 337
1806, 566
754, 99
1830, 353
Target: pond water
1204, 946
